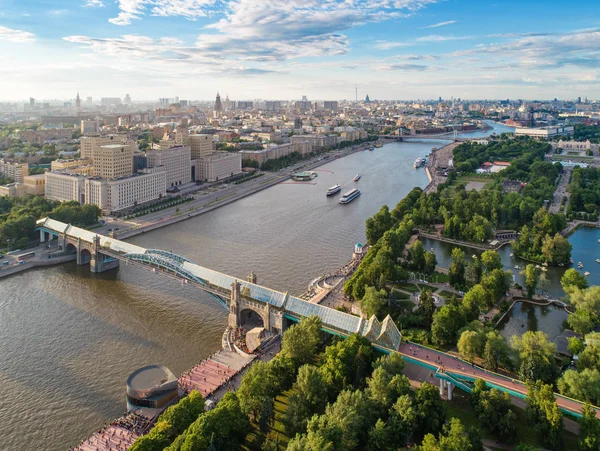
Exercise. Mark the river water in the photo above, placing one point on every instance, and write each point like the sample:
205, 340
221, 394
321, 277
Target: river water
69, 338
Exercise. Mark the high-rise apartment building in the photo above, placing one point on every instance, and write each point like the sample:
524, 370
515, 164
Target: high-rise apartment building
200, 145
330, 105
14, 171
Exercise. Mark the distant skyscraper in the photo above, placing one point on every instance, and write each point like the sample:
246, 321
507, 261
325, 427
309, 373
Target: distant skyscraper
367, 99
218, 107
78, 102
127, 99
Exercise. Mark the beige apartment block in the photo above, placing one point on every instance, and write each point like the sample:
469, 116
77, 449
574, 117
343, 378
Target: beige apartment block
218, 166
115, 195
200, 145
176, 161
113, 160
65, 186
14, 171
88, 143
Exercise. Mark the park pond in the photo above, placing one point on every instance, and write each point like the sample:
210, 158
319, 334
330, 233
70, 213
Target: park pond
525, 316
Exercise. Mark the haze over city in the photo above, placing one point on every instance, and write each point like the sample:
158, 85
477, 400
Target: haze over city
250, 49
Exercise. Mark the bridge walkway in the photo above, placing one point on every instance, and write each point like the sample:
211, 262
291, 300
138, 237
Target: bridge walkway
462, 373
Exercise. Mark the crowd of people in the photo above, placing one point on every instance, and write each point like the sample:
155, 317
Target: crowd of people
117, 436
238, 337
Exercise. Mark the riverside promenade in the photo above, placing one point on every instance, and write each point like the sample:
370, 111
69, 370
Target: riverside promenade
213, 377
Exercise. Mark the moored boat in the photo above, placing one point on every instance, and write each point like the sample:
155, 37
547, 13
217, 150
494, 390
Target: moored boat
357, 177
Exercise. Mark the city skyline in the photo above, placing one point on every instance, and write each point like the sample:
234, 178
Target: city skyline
248, 49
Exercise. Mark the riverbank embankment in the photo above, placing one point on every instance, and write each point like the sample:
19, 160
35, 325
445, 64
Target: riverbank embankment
440, 158
32, 264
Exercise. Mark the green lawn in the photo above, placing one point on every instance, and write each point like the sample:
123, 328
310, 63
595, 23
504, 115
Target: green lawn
460, 408
447, 294
400, 295
424, 286
473, 178
411, 287
255, 438
440, 278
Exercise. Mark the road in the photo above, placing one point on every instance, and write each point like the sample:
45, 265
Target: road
561, 191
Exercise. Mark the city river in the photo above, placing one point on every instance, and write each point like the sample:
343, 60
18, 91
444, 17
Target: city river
69, 338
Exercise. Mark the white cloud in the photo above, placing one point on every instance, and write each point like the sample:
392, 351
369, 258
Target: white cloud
388, 45
19, 36
135, 9
441, 24
438, 38
94, 4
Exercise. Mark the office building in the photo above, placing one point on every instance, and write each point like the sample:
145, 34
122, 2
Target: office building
545, 132
126, 192
65, 186
89, 127
176, 161
14, 171
88, 143
200, 145
32, 184
112, 161
218, 166
330, 105
244, 104
81, 166
272, 105
108, 101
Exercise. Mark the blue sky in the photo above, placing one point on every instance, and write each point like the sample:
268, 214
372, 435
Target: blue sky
391, 49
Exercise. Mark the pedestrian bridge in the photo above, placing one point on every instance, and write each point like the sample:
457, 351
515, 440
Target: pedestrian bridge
274, 309
245, 299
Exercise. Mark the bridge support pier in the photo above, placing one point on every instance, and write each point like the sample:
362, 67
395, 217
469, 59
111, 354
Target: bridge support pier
442, 386
100, 263
450, 387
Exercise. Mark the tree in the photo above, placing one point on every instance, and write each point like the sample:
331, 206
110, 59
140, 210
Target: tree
430, 411
185, 412
496, 352
309, 397
373, 301
346, 365
267, 414
473, 301
430, 263
589, 430
590, 356
491, 260
378, 225
495, 412
543, 413
453, 438
301, 342
456, 272
531, 279
401, 423
473, 271
471, 344
446, 323
583, 385
575, 345
427, 305
384, 388
536, 354
573, 278
257, 384
416, 255
587, 307
495, 283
